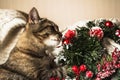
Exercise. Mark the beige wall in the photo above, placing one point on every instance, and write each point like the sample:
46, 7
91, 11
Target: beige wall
68, 12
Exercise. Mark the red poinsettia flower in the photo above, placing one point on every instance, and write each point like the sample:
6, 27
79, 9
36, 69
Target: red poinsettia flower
96, 32
70, 34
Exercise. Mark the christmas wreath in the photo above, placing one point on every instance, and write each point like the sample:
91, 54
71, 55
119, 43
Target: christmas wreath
86, 56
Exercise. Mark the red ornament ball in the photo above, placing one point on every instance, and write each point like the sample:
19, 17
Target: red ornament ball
83, 68
54, 78
109, 24
89, 74
75, 69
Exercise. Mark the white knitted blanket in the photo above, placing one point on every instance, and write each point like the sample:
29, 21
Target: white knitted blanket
11, 25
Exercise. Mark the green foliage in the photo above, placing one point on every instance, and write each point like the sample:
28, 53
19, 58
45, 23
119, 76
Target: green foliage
88, 50
108, 32
84, 50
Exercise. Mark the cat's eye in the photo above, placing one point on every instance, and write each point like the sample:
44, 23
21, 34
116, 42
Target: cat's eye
52, 28
47, 34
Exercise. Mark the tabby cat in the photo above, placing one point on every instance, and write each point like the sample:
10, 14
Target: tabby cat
30, 58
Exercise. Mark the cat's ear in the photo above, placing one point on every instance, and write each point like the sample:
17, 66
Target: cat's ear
33, 16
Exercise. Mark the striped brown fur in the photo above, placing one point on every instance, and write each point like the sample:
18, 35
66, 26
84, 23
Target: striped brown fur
29, 60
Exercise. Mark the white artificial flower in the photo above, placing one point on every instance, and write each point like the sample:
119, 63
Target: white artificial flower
115, 21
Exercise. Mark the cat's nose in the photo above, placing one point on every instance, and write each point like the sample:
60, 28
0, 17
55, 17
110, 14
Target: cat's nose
60, 35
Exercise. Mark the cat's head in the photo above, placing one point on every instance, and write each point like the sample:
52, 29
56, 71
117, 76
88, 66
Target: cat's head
40, 35
42, 30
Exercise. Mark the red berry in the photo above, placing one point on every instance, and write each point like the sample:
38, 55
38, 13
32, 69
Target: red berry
117, 33
118, 65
